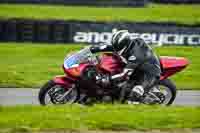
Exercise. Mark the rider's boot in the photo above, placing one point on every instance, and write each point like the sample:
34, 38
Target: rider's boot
136, 95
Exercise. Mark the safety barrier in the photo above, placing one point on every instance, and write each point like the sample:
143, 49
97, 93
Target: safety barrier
58, 31
104, 3
177, 1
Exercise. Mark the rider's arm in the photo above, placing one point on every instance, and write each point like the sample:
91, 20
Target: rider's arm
101, 48
131, 65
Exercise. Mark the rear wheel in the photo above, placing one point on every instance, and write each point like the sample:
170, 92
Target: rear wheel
52, 93
167, 91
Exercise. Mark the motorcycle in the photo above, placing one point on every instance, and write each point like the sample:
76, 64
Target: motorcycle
69, 89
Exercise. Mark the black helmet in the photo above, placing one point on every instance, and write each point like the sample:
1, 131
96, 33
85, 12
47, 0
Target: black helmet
120, 40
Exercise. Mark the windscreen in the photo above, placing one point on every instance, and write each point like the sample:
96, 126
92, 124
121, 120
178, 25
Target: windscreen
83, 56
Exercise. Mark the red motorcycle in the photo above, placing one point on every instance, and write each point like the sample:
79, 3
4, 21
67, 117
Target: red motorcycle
69, 89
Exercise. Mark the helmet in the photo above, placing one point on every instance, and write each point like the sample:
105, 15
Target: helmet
120, 40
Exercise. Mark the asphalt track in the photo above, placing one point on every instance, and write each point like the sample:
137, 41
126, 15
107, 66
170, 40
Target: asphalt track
22, 96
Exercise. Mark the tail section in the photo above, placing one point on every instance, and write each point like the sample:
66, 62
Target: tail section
172, 65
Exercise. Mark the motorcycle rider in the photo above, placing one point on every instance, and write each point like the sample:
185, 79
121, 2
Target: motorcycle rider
139, 58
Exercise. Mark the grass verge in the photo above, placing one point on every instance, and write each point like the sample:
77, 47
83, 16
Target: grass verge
31, 65
184, 14
107, 117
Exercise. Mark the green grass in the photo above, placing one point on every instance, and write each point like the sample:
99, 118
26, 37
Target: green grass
31, 65
107, 117
184, 14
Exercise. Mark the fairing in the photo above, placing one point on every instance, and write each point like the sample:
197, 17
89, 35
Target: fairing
72, 75
111, 63
65, 81
76, 72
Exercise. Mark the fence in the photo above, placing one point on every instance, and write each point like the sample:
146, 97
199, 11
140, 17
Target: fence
55, 31
177, 1
104, 3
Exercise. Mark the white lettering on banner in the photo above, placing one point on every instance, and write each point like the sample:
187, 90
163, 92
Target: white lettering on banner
92, 37
152, 38
194, 39
80, 37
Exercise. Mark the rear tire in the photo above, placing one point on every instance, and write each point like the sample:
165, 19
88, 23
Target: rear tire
45, 89
169, 84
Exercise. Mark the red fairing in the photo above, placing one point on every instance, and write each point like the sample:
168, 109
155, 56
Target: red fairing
76, 71
64, 81
172, 65
111, 63
71, 75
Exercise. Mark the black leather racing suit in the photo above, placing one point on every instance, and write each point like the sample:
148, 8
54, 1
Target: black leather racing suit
140, 58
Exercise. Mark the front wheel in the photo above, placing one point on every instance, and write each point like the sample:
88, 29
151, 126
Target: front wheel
52, 93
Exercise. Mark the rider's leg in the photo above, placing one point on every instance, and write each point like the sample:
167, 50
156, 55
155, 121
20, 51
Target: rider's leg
144, 83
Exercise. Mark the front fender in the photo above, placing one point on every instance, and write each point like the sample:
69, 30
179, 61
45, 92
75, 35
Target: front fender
64, 81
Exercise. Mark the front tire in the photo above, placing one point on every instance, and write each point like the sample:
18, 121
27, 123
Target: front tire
51, 86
